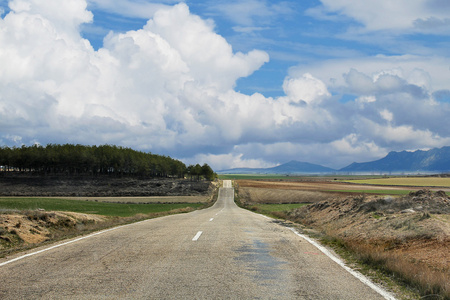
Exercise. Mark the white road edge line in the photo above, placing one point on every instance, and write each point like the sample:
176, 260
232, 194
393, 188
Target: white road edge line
197, 236
66, 243
356, 274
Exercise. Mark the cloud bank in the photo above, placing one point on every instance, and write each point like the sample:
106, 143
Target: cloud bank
168, 88
398, 16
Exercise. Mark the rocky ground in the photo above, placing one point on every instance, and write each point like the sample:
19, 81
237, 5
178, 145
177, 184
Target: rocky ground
29, 186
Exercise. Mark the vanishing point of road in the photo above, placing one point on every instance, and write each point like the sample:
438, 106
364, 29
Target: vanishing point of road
223, 252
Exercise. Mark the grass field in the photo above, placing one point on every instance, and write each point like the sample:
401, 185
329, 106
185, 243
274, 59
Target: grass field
278, 211
278, 207
146, 200
90, 207
406, 181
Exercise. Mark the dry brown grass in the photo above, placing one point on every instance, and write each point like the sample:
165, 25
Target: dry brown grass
432, 282
252, 195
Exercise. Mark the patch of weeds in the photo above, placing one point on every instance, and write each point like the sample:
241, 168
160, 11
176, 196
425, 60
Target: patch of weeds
64, 222
34, 231
3, 231
377, 215
9, 239
407, 224
8, 211
332, 242
37, 215
253, 208
424, 216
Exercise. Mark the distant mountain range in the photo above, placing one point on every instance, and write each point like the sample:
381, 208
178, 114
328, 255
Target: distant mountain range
433, 161
292, 167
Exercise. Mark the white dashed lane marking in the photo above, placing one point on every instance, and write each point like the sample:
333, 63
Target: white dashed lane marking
197, 236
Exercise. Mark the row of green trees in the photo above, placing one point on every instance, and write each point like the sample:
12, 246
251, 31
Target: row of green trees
94, 160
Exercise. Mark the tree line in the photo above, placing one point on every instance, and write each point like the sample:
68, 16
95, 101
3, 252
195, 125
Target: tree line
69, 159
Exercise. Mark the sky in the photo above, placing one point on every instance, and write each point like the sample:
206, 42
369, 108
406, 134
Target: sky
248, 83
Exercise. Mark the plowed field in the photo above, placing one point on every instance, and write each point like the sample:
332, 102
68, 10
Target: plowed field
319, 185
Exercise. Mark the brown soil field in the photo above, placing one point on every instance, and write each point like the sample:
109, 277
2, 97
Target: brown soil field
322, 186
102, 186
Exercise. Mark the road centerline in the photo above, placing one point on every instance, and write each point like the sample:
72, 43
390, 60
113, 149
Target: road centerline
197, 236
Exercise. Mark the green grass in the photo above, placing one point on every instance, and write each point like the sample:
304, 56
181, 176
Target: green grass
90, 207
143, 200
278, 207
278, 211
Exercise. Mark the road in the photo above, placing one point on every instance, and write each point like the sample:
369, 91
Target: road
223, 252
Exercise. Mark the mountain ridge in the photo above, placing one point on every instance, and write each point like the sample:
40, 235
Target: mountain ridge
292, 167
434, 160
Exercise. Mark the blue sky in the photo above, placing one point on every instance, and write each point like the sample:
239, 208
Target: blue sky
248, 83
284, 29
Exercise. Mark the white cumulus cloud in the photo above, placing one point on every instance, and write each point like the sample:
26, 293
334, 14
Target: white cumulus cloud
400, 15
169, 88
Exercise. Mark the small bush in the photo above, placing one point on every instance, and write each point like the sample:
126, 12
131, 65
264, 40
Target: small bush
64, 222
3, 231
279, 214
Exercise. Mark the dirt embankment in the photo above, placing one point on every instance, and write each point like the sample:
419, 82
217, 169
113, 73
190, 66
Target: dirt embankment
34, 227
408, 235
420, 214
100, 187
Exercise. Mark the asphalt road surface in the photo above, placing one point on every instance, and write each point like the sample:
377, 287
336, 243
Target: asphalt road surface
223, 252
